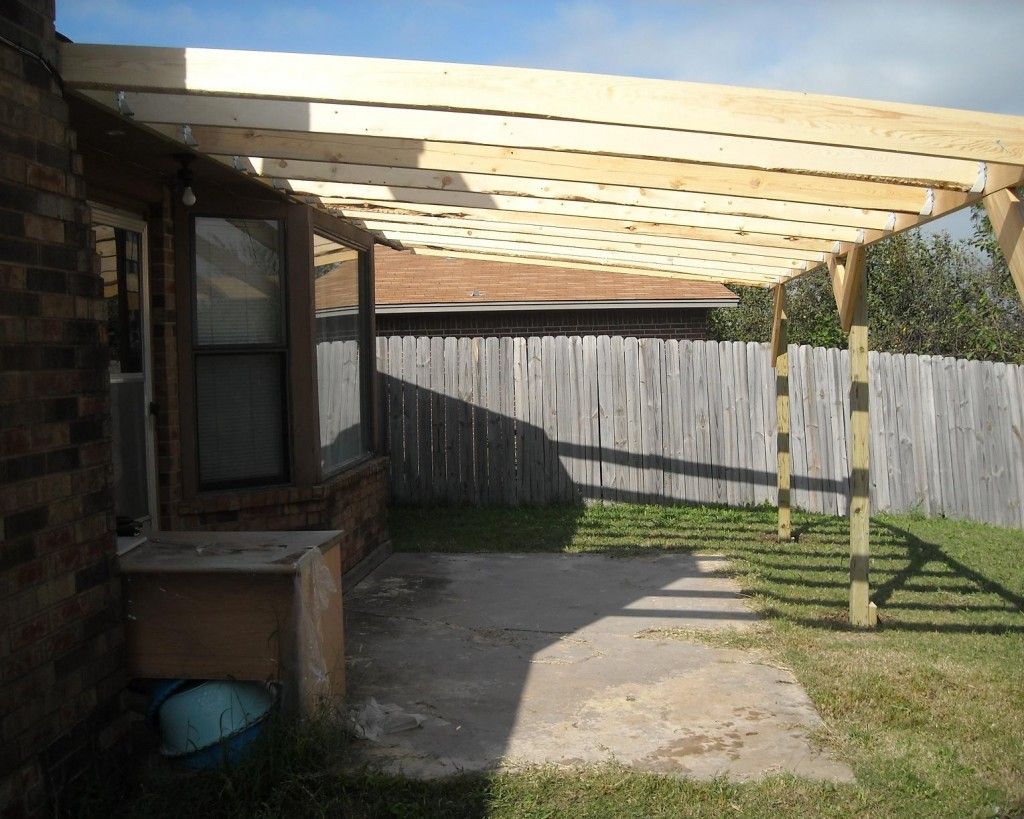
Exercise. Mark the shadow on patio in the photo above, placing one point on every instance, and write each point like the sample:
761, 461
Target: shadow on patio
571, 659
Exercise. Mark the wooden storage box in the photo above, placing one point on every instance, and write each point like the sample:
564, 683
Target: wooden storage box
239, 605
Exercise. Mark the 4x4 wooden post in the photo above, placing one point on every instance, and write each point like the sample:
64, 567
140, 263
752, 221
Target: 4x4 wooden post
862, 610
780, 360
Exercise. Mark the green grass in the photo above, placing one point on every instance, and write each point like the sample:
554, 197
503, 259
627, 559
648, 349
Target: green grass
928, 709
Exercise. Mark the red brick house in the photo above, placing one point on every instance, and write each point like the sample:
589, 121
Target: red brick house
438, 296
186, 336
157, 372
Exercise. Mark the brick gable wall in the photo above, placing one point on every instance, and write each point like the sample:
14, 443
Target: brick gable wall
61, 631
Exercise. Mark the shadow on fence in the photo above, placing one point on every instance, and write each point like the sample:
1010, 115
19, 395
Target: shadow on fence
566, 419
446, 450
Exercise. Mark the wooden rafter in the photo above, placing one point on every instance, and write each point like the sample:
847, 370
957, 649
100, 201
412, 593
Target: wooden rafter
732, 184
298, 172
609, 257
711, 109
737, 272
430, 125
363, 209
329, 191
460, 158
395, 227
546, 261
497, 241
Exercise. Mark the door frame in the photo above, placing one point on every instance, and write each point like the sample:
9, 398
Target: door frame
103, 215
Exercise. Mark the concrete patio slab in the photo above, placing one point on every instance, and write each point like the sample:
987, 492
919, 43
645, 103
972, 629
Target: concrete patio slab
535, 659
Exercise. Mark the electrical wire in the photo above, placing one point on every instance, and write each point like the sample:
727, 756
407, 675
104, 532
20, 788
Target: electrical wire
39, 58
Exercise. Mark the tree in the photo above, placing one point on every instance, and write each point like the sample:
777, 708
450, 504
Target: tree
927, 294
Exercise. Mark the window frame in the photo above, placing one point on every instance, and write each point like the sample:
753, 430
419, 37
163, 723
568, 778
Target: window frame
281, 348
367, 345
234, 198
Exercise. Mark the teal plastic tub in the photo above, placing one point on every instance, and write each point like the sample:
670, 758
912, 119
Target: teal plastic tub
214, 722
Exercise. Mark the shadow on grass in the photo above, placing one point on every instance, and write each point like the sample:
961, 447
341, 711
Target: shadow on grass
921, 583
918, 585
921, 553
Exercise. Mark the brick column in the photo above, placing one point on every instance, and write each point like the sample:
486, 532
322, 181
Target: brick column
61, 627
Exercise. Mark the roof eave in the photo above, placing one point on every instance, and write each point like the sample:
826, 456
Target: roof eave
503, 306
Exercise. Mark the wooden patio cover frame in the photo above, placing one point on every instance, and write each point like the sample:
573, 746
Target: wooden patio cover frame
642, 177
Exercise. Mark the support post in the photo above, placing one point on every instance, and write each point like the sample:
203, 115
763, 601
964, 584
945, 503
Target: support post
1006, 212
862, 610
780, 360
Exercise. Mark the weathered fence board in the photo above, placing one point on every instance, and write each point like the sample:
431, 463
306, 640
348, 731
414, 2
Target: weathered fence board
571, 418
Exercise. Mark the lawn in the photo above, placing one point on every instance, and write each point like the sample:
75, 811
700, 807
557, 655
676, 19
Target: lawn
928, 709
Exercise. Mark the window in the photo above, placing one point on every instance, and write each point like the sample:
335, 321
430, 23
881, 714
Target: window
240, 351
342, 322
121, 267
121, 252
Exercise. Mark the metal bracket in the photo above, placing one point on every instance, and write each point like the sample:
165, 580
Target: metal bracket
239, 165
187, 138
836, 248
860, 236
929, 202
890, 223
121, 101
982, 180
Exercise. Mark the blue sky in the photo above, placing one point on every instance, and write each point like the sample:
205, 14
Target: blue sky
958, 53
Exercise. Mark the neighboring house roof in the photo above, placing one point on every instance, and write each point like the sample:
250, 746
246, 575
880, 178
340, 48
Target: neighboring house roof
408, 283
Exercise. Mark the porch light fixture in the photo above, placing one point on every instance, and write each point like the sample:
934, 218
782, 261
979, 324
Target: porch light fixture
188, 196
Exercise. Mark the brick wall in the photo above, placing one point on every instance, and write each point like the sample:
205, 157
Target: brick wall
354, 501
678, 323
61, 632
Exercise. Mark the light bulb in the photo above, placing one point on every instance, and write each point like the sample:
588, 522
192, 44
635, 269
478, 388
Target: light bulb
188, 196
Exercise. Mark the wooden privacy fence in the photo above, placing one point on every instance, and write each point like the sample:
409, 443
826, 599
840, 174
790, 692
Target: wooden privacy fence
570, 418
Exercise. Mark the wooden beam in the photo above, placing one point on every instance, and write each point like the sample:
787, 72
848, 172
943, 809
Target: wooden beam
775, 115
392, 228
1006, 212
740, 272
845, 285
836, 274
862, 612
695, 267
778, 340
854, 286
545, 134
330, 191
445, 180
373, 210
458, 158
706, 276
579, 247
780, 360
